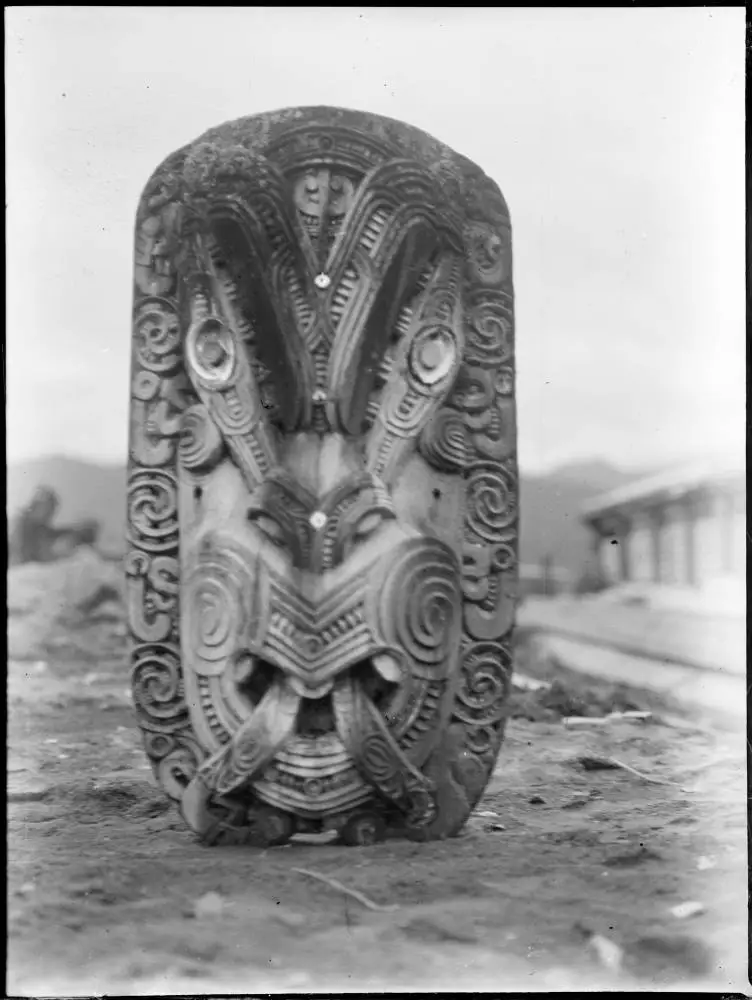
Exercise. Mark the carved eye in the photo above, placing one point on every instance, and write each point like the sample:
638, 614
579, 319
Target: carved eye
269, 527
367, 525
432, 355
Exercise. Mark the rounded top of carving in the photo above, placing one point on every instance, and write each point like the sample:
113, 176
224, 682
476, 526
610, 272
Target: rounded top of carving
291, 139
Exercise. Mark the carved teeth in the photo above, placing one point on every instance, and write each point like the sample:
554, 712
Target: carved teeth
388, 667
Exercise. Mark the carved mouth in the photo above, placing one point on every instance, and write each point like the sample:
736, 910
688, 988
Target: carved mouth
316, 715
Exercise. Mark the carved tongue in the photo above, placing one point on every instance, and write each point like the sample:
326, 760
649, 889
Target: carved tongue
387, 667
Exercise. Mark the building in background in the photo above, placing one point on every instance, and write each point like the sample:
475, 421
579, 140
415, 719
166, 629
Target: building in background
544, 579
682, 529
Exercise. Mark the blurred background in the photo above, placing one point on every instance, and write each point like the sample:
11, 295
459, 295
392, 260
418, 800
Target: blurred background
617, 138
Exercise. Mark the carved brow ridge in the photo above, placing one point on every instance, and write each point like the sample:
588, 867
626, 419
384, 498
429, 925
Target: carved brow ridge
263, 497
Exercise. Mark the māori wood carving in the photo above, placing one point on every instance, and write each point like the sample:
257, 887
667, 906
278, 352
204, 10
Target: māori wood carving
322, 510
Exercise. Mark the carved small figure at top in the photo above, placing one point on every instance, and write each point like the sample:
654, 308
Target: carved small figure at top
322, 515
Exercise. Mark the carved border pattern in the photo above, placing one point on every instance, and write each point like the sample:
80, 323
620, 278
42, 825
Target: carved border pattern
472, 435
160, 396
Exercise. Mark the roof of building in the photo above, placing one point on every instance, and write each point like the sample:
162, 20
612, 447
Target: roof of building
673, 483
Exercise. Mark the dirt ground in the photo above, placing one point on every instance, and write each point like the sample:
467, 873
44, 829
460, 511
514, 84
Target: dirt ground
564, 879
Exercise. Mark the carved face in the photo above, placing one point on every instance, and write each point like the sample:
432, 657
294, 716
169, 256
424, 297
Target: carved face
322, 470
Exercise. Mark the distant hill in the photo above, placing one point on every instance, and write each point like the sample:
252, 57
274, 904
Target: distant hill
550, 506
550, 503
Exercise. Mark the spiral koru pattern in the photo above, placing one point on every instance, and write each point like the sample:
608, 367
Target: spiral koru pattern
484, 684
146, 385
157, 335
201, 444
137, 563
482, 739
158, 745
379, 763
488, 335
421, 600
175, 769
446, 442
504, 557
216, 595
152, 510
491, 499
158, 688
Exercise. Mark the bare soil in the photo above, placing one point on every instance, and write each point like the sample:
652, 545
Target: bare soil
108, 892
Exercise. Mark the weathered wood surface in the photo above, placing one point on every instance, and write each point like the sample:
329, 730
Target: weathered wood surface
322, 518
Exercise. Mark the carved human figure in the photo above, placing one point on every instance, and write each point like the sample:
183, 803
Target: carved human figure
323, 483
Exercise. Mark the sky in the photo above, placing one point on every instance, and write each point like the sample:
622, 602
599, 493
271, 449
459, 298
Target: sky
616, 135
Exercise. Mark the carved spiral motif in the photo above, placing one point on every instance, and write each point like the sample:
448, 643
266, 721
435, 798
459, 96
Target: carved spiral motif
137, 563
164, 576
157, 687
379, 763
489, 329
157, 335
482, 739
214, 610
201, 443
504, 558
176, 769
491, 500
484, 684
217, 594
146, 386
158, 745
420, 602
446, 441
152, 510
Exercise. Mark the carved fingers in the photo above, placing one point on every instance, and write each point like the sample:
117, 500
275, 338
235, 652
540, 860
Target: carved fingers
255, 743
378, 756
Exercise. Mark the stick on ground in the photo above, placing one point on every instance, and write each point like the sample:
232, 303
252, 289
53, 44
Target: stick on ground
343, 888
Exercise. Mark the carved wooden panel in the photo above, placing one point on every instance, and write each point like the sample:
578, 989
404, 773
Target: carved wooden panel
322, 517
